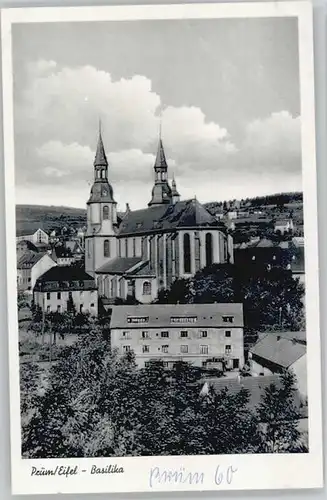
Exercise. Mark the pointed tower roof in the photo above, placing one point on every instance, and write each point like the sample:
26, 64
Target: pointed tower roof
174, 191
161, 157
100, 159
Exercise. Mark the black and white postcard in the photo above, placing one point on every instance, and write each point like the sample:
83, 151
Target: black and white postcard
162, 249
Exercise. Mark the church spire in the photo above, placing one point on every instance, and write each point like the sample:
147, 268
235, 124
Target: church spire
161, 192
161, 157
100, 159
101, 190
175, 194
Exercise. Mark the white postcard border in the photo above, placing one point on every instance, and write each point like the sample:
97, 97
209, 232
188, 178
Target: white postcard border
253, 471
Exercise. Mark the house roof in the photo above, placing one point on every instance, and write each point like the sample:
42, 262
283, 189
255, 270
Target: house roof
29, 259
144, 269
28, 232
72, 246
177, 315
282, 222
28, 244
300, 336
187, 213
62, 252
119, 265
255, 385
298, 241
65, 273
278, 350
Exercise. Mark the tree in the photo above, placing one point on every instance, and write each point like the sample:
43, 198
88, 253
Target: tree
230, 423
179, 293
21, 300
280, 417
71, 308
269, 297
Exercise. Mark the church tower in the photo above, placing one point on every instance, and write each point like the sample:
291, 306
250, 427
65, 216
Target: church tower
175, 194
161, 192
100, 238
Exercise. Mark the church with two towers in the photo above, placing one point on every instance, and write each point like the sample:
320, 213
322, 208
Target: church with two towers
140, 252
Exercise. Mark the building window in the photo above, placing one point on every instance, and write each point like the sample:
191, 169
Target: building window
146, 288
81, 308
165, 334
183, 319
134, 247
126, 348
137, 319
145, 348
92, 305
58, 295
88, 249
184, 349
59, 309
164, 348
236, 363
228, 319
106, 248
39, 237
48, 309
187, 253
48, 296
125, 335
126, 247
105, 212
228, 349
145, 335
203, 349
228, 333
203, 333
209, 258
184, 333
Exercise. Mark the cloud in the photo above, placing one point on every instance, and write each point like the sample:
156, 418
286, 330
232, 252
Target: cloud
274, 141
56, 127
65, 162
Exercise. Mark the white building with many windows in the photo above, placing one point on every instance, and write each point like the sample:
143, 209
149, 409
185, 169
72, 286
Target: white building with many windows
61, 287
201, 334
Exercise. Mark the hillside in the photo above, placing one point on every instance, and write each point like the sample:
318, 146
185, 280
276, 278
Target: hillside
31, 217
272, 206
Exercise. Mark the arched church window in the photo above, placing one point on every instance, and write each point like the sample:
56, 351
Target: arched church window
146, 288
106, 248
187, 253
209, 257
106, 212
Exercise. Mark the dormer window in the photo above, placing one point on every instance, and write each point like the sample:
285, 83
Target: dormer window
104, 192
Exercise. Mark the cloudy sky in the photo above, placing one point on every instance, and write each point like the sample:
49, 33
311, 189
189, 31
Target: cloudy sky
227, 92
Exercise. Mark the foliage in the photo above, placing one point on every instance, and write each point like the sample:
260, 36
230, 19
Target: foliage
29, 393
99, 404
21, 300
278, 413
71, 308
269, 297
